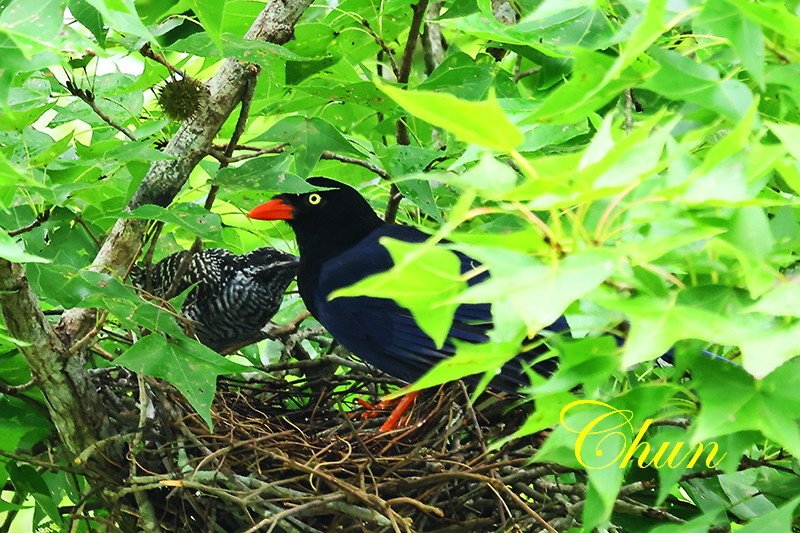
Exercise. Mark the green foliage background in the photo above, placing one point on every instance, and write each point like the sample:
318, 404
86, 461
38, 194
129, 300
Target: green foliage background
621, 161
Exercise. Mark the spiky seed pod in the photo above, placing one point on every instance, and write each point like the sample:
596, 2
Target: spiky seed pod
181, 98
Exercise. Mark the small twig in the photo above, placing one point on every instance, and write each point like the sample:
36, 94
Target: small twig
89, 99
13, 390
218, 152
88, 339
148, 52
40, 218
97, 242
354, 161
388, 51
525, 73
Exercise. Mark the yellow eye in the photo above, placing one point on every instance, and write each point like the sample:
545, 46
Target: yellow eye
314, 199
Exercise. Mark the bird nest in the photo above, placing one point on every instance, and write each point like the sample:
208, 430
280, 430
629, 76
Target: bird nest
298, 453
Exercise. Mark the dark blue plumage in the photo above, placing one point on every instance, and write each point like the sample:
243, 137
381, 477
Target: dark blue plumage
338, 234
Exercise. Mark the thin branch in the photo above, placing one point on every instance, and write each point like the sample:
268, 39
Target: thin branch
389, 52
219, 155
525, 73
40, 219
405, 71
88, 98
89, 231
13, 390
147, 51
354, 161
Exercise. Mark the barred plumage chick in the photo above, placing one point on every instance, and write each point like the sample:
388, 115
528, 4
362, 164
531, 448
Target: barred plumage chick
235, 295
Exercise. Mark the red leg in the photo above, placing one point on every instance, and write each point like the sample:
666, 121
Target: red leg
371, 410
392, 422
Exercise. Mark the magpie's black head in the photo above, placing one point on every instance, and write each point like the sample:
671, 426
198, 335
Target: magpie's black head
337, 216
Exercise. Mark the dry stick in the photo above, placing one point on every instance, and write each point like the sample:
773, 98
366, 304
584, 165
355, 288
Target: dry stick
40, 218
493, 472
402, 130
89, 99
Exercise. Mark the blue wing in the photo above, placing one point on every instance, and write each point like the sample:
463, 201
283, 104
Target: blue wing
385, 334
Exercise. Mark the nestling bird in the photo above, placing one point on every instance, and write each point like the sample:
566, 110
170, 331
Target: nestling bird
235, 295
338, 235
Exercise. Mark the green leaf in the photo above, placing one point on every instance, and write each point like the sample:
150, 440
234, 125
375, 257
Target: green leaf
483, 123
10, 250
469, 359
121, 16
731, 400
766, 348
211, 13
745, 35
191, 217
262, 174
425, 280
773, 15
189, 366
309, 137
594, 83
537, 293
491, 178
90, 17
780, 519
783, 300
33, 26
681, 78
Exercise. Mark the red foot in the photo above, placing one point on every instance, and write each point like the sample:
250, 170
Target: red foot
374, 410
393, 421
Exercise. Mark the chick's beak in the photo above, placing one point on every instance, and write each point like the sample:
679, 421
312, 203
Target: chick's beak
275, 209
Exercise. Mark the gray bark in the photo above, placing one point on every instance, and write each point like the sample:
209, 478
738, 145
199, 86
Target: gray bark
74, 407
190, 144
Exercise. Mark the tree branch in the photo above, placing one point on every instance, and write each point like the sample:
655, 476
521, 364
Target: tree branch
190, 144
405, 71
89, 99
72, 402
38, 221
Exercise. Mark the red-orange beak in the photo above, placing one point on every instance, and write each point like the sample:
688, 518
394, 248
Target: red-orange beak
275, 209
